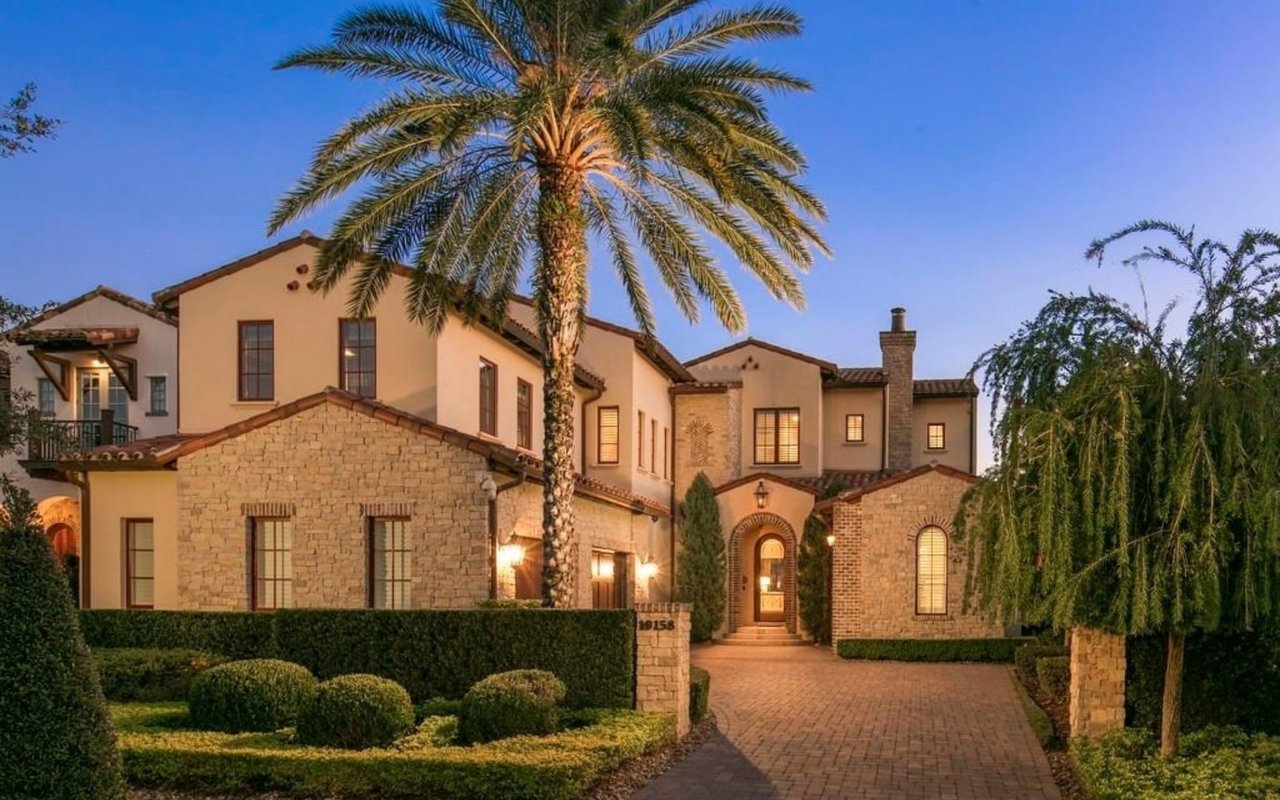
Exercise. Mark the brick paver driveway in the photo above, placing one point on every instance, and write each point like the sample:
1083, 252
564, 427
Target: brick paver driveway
797, 722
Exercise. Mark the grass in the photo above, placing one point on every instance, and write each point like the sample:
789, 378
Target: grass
161, 750
1041, 725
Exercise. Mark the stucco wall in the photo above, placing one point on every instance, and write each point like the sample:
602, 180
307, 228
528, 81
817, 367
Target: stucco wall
330, 466
875, 564
113, 498
839, 454
957, 414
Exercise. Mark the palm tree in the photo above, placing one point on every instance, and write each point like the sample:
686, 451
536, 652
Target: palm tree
522, 130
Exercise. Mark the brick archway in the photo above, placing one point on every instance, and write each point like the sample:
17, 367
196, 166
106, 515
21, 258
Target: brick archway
738, 616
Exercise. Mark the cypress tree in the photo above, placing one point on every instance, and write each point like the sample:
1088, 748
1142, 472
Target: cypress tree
56, 741
700, 578
1136, 487
813, 573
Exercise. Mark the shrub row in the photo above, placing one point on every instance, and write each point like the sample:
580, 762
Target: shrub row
1229, 679
928, 649
1026, 656
144, 675
1223, 764
699, 693
430, 653
1054, 675
556, 767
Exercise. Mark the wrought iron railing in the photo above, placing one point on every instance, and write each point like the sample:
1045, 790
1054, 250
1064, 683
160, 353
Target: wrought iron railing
48, 439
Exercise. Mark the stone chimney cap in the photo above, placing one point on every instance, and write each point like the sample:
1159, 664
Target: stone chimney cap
899, 319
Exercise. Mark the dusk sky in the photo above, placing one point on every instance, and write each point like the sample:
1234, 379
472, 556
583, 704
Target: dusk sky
967, 152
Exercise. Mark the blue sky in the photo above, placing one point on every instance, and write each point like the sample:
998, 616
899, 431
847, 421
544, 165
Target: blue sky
967, 152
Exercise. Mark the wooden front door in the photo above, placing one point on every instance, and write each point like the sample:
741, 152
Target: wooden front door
771, 566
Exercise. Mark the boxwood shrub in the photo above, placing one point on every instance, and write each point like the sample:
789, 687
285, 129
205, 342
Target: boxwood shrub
253, 695
1026, 655
431, 653
356, 712
557, 767
928, 649
699, 693
1053, 673
146, 674
516, 703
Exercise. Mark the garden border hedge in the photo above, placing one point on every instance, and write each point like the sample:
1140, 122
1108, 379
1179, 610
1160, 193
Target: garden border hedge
593, 652
928, 649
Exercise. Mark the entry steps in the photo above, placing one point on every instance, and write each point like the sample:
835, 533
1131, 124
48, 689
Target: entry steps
762, 636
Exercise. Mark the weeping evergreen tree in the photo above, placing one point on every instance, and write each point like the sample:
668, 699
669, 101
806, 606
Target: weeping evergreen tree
1136, 486
700, 577
813, 573
518, 132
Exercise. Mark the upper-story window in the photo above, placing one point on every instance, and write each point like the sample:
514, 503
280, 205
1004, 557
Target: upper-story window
159, 396
936, 438
257, 361
46, 393
653, 445
524, 414
488, 397
777, 436
358, 356
666, 453
640, 439
607, 435
853, 428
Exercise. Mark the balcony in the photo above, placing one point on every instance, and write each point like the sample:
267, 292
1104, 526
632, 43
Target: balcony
50, 439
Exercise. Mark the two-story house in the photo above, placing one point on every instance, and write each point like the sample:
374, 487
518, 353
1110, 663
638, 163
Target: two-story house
99, 369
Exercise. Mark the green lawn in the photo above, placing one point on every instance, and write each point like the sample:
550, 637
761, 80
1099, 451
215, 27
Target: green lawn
160, 749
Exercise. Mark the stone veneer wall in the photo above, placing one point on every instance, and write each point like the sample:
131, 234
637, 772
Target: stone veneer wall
328, 468
1096, 698
898, 351
662, 660
706, 438
874, 563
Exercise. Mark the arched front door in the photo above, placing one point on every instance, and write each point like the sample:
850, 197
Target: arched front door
770, 582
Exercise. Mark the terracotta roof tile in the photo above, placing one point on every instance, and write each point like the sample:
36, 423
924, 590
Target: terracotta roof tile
946, 387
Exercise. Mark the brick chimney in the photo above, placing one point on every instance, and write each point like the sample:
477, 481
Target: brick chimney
897, 348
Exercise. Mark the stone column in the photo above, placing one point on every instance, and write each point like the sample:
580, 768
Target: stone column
662, 660
1097, 682
897, 348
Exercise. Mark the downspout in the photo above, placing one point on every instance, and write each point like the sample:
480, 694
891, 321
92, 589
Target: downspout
671, 534
973, 435
81, 481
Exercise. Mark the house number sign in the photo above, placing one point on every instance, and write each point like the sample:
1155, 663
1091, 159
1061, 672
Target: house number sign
656, 624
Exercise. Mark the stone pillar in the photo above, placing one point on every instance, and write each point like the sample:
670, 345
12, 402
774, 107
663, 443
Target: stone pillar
897, 348
662, 660
1097, 682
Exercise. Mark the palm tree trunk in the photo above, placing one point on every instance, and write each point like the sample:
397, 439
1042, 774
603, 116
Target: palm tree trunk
559, 296
1171, 707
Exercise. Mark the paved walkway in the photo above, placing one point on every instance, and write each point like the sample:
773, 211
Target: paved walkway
797, 722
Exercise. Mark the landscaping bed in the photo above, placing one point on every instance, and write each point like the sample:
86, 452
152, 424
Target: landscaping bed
161, 749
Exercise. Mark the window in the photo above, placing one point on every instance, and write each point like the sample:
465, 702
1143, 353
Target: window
257, 361
853, 431
488, 397
666, 453
640, 439
45, 397
653, 445
159, 396
272, 563
931, 571
607, 435
117, 399
358, 356
777, 436
390, 563
608, 579
524, 414
139, 563
937, 436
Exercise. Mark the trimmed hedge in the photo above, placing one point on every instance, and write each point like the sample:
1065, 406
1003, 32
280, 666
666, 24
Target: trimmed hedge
699, 693
557, 767
437, 707
1054, 675
355, 712
1026, 656
234, 634
430, 653
136, 674
928, 649
261, 694
1228, 679
517, 703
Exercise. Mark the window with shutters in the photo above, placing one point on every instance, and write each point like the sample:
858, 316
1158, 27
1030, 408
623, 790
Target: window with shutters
607, 435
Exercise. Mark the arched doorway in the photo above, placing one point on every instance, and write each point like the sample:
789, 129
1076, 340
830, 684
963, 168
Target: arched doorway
762, 545
60, 517
63, 539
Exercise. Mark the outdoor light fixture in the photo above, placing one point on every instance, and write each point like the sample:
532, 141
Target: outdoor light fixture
510, 556
488, 486
762, 495
831, 540
648, 570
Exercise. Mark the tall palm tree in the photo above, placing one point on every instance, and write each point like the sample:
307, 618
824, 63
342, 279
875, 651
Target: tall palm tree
521, 130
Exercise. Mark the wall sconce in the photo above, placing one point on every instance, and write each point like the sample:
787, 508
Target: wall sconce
488, 486
510, 556
647, 570
761, 494
831, 540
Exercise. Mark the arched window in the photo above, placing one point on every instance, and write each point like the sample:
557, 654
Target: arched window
931, 571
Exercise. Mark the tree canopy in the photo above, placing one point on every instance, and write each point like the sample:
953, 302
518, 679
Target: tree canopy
20, 127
